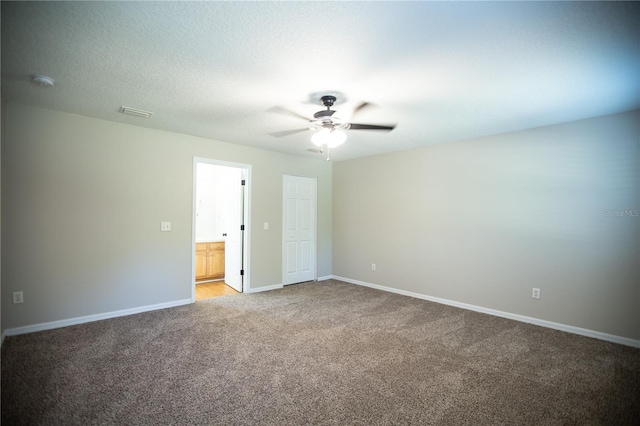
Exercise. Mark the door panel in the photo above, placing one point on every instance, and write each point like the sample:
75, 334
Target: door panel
291, 258
306, 256
305, 215
201, 264
299, 227
291, 214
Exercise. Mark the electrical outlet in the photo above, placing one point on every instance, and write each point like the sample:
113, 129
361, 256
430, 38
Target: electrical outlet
18, 297
535, 293
373, 266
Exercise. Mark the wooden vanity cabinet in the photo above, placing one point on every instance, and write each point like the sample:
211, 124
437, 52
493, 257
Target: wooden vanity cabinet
209, 260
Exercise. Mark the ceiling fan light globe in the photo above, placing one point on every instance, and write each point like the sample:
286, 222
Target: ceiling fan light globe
320, 137
338, 137
329, 138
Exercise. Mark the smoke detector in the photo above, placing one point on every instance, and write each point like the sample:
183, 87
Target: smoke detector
43, 80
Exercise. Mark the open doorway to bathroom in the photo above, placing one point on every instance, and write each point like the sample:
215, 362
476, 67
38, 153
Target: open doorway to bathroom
220, 240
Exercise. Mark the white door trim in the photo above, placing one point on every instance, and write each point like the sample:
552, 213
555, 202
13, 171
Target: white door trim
246, 261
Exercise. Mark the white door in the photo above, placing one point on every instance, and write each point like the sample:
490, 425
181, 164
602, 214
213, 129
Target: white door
299, 230
230, 205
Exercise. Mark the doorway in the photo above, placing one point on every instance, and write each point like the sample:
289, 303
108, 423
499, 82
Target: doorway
298, 229
220, 242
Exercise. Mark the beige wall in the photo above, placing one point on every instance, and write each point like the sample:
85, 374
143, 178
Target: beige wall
82, 208
479, 222
484, 221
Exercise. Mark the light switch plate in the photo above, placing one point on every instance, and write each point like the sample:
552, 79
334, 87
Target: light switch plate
165, 226
266, 225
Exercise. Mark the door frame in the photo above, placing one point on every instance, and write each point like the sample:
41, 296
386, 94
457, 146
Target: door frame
246, 283
314, 231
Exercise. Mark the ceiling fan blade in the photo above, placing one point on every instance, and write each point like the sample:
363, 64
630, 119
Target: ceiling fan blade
359, 108
287, 132
354, 126
280, 110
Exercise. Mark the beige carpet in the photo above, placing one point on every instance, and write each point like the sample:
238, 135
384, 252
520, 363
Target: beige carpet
317, 353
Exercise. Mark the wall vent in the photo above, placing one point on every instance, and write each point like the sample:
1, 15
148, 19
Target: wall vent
135, 112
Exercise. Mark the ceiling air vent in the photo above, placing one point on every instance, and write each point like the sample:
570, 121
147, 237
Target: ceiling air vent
135, 112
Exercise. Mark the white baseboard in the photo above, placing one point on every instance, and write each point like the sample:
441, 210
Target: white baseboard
543, 323
90, 318
267, 288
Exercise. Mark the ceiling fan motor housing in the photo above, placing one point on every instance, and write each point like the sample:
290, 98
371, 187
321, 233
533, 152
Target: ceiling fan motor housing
328, 100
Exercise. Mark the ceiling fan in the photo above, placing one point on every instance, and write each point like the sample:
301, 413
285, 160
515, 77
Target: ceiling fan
329, 127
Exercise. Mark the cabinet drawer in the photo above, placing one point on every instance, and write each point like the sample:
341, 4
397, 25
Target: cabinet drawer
201, 246
216, 246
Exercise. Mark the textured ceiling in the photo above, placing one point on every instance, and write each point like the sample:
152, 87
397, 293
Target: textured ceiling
442, 71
